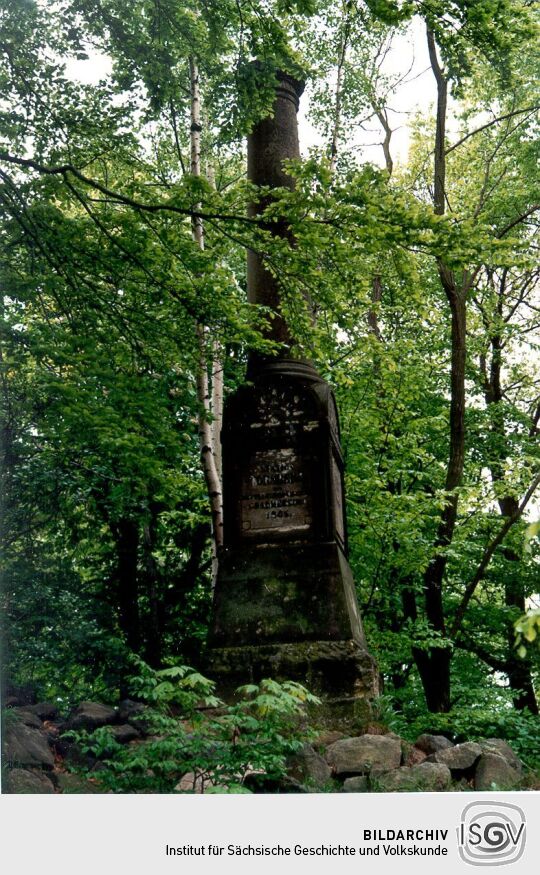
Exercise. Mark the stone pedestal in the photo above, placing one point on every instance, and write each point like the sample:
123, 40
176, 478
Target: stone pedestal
285, 604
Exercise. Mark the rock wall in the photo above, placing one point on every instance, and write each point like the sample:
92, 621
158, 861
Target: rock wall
37, 757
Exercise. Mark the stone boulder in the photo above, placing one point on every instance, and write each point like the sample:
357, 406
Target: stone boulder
44, 710
27, 781
431, 744
413, 756
25, 715
26, 746
309, 767
192, 783
92, 715
358, 784
495, 772
460, 758
133, 712
501, 748
125, 733
328, 737
357, 756
423, 778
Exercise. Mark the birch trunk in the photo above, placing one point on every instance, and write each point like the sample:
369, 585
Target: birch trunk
210, 399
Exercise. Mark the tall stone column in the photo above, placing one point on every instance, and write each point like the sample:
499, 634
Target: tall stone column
285, 604
271, 142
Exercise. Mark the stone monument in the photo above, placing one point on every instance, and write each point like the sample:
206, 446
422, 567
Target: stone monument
285, 604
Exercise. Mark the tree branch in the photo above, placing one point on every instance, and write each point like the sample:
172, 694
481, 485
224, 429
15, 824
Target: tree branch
65, 169
439, 175
495, 121
488, 554
495, 662
519, 219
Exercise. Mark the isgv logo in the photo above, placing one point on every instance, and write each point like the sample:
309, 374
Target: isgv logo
491, 833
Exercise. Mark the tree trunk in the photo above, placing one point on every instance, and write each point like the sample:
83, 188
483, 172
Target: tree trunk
207, 435
517, 669
439, 175
126, 536
434, 669
344, 32
154, 622
433, 662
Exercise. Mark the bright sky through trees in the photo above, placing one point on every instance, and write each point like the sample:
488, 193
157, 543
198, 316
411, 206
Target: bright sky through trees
407, 57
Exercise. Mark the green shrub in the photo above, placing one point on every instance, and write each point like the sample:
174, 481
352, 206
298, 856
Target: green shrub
190, 731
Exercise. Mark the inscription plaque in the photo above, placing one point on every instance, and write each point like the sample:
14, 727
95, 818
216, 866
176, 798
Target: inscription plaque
275, 493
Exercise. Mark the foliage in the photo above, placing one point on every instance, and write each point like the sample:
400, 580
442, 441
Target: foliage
191, 732
105, 515
482, 707
527, 630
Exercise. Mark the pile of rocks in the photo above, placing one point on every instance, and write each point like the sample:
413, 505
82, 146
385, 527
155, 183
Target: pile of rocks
387, 763
38, 756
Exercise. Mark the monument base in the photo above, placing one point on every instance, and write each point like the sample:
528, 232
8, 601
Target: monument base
290, 614
341, 673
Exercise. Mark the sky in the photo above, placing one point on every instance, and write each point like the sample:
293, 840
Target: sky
416, 93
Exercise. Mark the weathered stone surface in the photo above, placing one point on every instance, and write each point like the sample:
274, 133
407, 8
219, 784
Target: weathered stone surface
405, 745
24, 715
425, 777
44, 710
358, 784
309, 767
328, 737
413, 756
26, 746
459, 758
492, 770
430, 744
332, 669
92, 715
125, 733
27, 781
359, 755
309, 597
502, 749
